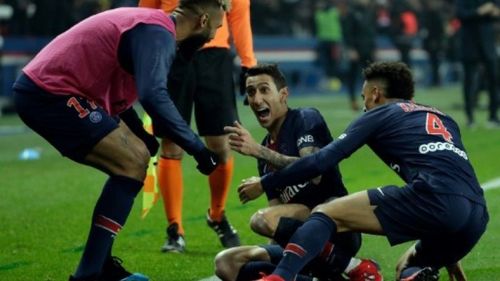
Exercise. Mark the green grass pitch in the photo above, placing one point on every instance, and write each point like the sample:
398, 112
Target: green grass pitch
46, 204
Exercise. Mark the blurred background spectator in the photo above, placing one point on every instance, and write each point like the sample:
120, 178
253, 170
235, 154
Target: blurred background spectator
433, 35
360, 31
478, 48
328, 32
314, 41
404, 28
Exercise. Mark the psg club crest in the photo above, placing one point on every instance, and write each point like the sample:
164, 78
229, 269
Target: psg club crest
95, 117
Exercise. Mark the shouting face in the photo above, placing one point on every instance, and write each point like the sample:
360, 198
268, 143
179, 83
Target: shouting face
268, 103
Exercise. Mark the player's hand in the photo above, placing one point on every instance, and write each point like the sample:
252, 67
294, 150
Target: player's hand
249, 189
241, 141
207, 161
456, 272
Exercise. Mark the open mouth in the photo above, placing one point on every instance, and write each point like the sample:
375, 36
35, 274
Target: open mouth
262, 113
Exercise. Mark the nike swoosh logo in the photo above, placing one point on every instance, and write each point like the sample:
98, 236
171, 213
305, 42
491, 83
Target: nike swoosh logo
380, 190
213, 162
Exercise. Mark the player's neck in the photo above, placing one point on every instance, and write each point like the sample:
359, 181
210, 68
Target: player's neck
275, 129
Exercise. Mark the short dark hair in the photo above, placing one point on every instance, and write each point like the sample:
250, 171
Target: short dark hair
397, 75
268, 69
198, 6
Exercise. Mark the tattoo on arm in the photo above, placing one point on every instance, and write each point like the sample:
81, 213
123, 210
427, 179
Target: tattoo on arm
280, 160
274, 158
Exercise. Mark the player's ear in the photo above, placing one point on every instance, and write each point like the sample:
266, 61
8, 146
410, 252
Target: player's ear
377, 95
283, 94
204, 20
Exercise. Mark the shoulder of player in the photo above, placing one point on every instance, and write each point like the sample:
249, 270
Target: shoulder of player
303, 118
306, 113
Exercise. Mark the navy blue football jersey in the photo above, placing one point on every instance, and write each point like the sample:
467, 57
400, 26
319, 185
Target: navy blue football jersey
418, 142
303, 127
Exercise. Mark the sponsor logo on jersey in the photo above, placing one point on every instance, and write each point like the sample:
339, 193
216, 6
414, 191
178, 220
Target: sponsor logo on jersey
442, 146
291, 191
305, 139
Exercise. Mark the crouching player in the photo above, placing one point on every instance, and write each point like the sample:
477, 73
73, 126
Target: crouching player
77, 91
292, 133
441, 206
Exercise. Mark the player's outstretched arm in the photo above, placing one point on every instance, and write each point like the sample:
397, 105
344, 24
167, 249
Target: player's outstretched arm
241, 141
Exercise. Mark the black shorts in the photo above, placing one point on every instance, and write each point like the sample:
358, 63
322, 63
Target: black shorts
446, 225
72, 124
207, 83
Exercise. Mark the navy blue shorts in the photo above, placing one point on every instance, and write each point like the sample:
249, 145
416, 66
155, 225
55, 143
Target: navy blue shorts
72, 124
446, 225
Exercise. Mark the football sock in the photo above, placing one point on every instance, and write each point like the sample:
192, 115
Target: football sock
285, 229
353, 263
171, 186
302, 248
253, 269
110, 213
219, 181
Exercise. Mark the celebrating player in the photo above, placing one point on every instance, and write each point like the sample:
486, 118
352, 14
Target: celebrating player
441, 206
76, 90
292, 133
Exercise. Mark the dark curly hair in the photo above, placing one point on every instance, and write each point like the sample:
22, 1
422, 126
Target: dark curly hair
268, 69
397, 75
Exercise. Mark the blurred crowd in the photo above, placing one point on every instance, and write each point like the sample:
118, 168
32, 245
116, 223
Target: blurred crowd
49, 17
345, 29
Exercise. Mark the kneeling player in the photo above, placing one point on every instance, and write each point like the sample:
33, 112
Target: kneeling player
292, 133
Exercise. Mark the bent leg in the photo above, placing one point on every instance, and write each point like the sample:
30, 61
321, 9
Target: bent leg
125, 157
265, 221
120, 153
352, 213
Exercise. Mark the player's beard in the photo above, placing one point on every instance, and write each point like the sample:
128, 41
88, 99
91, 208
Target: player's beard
189, 46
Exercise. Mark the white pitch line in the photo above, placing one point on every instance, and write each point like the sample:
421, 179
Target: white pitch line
491, 184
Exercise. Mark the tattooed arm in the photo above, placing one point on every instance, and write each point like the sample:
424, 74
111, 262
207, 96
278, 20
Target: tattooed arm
242, 142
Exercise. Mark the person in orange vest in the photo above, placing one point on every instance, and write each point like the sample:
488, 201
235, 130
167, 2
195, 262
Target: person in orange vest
207, 83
